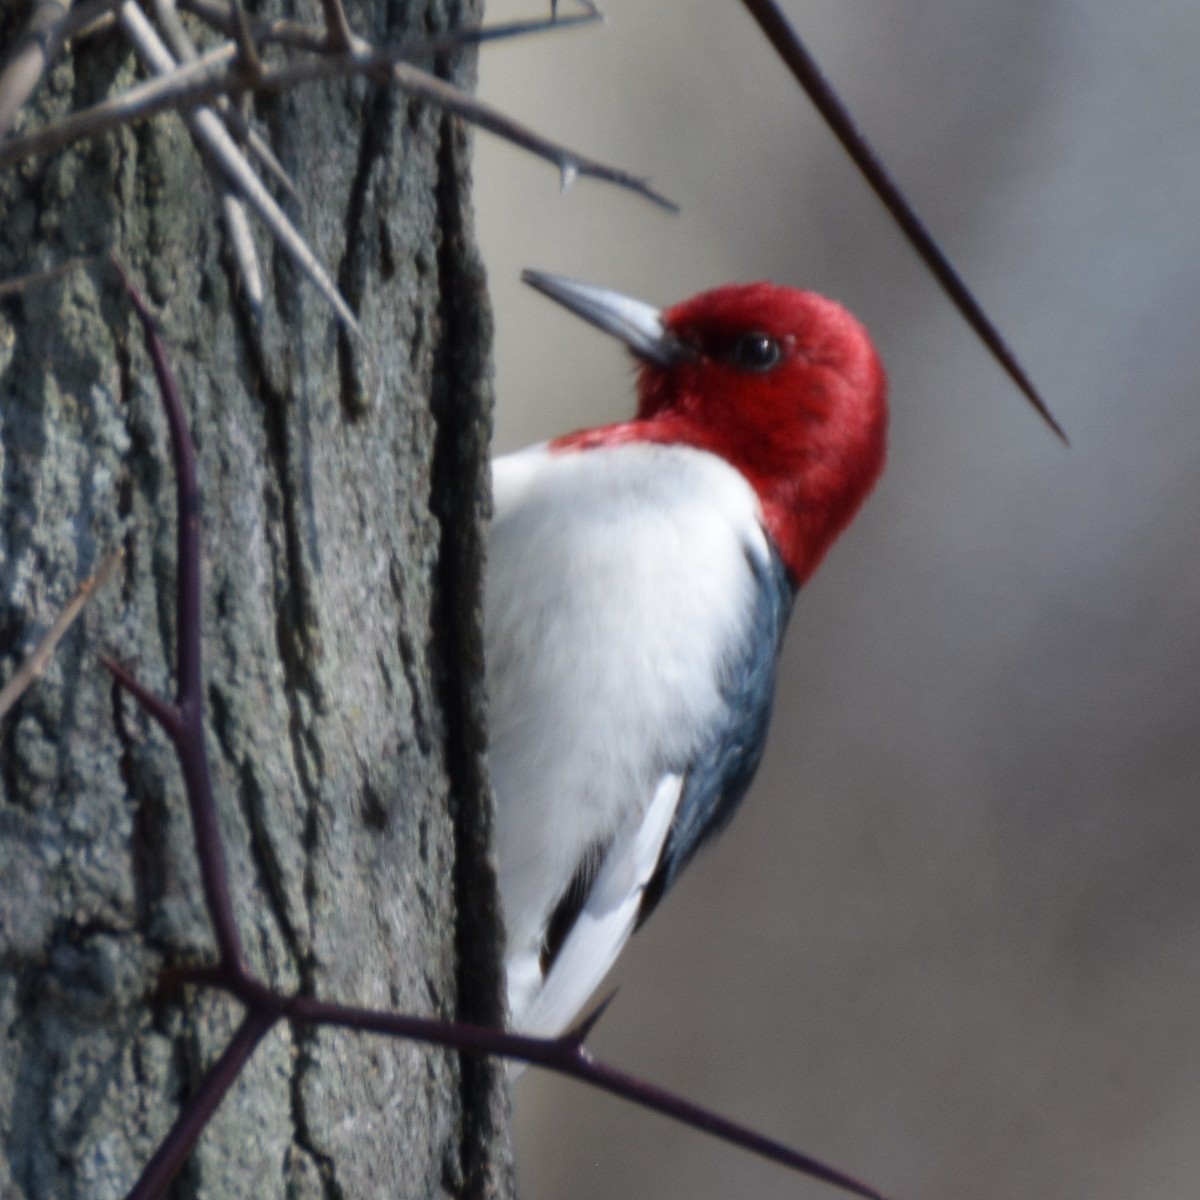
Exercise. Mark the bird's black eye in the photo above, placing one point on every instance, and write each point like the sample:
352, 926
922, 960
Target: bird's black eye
755, 352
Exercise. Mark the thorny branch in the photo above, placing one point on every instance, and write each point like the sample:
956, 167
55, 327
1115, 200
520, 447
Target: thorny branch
236, 66
182, 720
217, 72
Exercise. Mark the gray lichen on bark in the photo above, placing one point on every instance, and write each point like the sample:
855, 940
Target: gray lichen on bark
342, 560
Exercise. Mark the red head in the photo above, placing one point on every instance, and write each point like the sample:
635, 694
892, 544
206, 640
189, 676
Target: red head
785, 385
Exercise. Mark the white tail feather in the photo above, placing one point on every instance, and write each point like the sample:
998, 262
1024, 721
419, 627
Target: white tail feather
603, 927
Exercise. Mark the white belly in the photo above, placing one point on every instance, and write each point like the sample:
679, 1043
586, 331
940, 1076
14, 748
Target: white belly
617, 579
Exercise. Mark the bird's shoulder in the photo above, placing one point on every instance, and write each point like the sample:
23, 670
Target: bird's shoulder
623, 479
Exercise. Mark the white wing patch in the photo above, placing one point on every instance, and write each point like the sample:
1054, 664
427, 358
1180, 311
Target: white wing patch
603, 927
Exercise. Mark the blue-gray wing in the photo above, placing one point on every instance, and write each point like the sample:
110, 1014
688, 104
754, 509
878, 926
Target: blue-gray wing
717, 778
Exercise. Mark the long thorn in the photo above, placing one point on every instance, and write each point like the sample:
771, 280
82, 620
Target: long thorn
214, 138
582, 1029
233, 208
162, 711
808, 74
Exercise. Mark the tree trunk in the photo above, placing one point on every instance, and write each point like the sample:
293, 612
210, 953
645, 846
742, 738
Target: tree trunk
342, 499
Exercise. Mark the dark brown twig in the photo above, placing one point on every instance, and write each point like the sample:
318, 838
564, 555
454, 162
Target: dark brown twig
174, 1149
808, 74
182, 721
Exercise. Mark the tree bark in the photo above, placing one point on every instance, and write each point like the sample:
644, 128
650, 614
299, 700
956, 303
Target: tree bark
342, 504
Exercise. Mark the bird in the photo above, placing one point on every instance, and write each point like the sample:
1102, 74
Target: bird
639, 579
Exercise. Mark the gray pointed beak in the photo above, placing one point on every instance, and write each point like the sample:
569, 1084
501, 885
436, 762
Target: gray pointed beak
638, 325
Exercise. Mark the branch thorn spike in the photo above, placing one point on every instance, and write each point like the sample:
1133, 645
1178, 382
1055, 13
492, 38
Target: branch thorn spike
581, 1031
165, 713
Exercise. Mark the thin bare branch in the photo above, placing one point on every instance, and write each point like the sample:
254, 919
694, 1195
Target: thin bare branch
177, 37
808, 74
416, 82
210, 76
163, 711
568, 1056
37, 661
35, 49
266, 30
141, 101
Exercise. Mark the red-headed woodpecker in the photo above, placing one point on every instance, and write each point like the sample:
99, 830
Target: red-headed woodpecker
640, 576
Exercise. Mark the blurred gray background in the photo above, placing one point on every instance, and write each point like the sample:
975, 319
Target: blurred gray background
952, 942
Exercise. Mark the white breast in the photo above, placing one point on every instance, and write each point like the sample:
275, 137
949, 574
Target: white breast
616, 580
